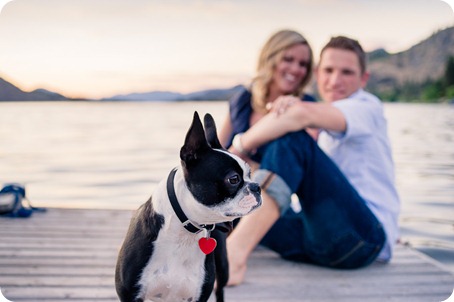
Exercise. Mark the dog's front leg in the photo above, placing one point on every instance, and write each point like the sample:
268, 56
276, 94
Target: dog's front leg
221, 263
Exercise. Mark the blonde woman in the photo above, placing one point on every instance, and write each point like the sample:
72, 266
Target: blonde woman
284, 68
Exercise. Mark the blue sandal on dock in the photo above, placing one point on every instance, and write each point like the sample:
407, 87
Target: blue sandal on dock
11, 202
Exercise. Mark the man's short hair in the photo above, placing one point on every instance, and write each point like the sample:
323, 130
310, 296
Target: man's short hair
341, 42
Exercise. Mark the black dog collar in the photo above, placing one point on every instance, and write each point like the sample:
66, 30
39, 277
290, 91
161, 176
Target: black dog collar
187, 224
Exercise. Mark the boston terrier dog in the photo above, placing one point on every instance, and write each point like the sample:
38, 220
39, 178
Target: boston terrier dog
170, 252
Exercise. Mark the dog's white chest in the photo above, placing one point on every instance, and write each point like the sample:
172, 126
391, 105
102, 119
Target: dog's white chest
175, 272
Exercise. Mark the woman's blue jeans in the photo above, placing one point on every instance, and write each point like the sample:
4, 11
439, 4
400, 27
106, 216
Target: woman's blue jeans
335, 228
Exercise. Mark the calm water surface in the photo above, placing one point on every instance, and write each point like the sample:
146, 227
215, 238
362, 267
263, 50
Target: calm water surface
112, 154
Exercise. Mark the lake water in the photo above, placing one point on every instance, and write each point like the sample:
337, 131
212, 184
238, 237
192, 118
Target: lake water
112, 154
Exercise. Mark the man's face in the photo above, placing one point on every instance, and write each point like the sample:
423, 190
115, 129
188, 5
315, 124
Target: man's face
339, 74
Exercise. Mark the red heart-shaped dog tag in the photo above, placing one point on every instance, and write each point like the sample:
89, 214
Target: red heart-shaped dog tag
207, 245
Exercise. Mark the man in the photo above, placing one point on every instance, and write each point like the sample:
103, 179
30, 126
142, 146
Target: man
349, 204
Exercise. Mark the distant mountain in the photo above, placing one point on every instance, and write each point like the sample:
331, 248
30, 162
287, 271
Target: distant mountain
43, 94
214, 94
425, 60
9, 92
377, 54
147, 96
211, 95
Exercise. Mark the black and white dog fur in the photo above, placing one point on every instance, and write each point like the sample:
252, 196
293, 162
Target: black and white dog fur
160, 260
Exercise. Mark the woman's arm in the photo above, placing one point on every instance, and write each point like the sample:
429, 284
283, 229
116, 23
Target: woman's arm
225, 131
289, 118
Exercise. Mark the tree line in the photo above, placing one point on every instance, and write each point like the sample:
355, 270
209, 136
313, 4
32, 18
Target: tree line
429, 91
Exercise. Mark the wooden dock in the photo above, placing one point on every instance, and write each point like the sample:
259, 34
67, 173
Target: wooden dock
70, 255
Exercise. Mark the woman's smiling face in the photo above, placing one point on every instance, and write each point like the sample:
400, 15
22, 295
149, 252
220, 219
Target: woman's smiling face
291, 70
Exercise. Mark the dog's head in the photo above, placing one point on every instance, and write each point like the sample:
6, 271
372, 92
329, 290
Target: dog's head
218, 180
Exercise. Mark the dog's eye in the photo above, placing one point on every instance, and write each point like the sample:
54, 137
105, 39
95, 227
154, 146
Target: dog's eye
233, 180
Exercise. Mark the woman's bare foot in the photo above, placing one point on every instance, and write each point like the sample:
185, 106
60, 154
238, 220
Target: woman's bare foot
238, 251
245, 237
237, 269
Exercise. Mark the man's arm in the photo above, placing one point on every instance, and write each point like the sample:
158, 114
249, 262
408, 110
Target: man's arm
296, 117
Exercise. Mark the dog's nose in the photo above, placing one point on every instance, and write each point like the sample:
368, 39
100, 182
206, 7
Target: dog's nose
254, 187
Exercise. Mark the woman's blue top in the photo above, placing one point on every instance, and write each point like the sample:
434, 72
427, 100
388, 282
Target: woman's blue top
240, 107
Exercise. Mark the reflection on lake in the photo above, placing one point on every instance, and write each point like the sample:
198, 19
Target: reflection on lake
423, 144
112, 154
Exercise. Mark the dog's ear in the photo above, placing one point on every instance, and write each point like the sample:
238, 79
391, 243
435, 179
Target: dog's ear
211, 133
195, 142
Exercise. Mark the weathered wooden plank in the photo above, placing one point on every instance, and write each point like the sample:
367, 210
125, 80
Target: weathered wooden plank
61, 292
88, 232
57, 281
57, 271
58, 253
47, 244
54, 261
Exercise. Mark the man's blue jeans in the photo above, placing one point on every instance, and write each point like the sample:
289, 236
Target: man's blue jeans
335, 228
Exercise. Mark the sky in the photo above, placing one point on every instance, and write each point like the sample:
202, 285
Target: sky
100, 48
